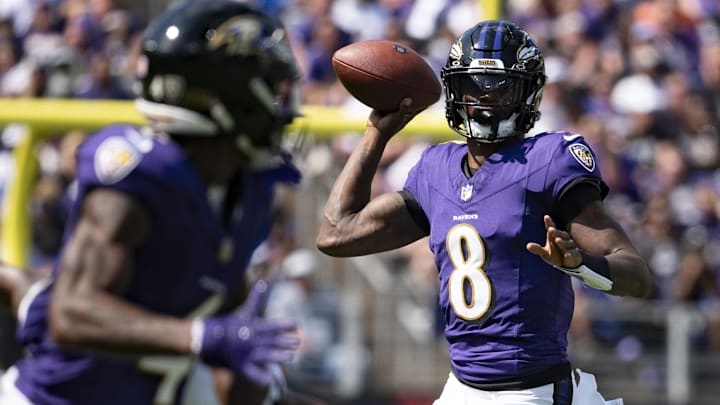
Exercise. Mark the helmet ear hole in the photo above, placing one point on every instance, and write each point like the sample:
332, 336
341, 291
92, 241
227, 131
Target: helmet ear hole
493, 81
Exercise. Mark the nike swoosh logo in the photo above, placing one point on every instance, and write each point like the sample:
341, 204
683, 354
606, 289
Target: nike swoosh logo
569, 138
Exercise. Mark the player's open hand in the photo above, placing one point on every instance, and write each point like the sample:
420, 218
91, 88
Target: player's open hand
245, 343
560, 249
389, 124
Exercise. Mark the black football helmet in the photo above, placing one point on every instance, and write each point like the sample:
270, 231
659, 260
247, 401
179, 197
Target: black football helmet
493, 82
219, 68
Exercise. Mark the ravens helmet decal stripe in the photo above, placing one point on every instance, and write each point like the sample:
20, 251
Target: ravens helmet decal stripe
497, 44
481, 43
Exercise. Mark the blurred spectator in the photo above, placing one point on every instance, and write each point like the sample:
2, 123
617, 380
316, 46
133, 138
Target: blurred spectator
697, 283
658, 243
422, 21
48, 219
53, 195
321, 85
365, 19
299, 296
100, 82
21, 12
116, 26
16, 78
77, 35
710, 72
699, 135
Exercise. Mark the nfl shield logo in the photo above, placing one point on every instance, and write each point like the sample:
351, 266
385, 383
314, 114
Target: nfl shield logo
466, 192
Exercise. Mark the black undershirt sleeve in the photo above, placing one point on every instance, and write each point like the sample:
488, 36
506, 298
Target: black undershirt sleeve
416, 212
575, 196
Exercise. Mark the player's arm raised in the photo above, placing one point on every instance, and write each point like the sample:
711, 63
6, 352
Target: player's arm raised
352, 223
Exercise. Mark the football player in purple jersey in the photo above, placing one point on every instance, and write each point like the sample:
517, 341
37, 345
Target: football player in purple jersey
510, 220
166, 217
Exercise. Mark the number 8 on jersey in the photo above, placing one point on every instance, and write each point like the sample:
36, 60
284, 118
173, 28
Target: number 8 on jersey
466, 251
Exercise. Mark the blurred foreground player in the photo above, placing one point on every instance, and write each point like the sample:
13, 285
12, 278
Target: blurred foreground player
165, 222
486, 205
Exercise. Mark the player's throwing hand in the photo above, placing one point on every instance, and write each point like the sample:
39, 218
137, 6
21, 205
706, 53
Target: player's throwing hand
388, 124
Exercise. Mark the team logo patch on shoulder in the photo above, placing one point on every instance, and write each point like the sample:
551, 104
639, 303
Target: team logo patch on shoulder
582, 154
115, 158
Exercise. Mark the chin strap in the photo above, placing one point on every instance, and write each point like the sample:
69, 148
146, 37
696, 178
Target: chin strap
498, 131
594, 272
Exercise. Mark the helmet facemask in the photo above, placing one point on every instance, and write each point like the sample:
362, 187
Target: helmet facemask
256, 121
261, 125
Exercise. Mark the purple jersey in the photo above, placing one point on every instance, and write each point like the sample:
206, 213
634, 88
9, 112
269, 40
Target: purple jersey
189, 265
506, 311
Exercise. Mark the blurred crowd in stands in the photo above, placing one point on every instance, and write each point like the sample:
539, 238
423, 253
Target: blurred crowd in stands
639, 79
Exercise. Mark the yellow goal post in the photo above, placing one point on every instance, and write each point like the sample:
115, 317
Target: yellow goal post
45, 118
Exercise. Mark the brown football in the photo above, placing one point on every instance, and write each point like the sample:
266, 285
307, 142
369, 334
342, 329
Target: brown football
380, 73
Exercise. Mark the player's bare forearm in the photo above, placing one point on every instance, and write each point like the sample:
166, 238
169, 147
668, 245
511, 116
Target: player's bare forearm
596, 232
630, 274
354, 225
87, 309
351, 191
101, 322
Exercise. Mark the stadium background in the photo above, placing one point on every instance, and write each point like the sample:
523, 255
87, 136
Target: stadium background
639, 79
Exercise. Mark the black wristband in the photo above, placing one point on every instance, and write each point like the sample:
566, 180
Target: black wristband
598, 264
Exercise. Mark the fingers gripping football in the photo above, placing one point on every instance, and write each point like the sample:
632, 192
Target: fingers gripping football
391, 123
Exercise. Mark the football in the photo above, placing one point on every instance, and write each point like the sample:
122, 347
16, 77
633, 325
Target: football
380, 73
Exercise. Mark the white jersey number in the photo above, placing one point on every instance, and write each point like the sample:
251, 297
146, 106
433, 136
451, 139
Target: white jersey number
466, 251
